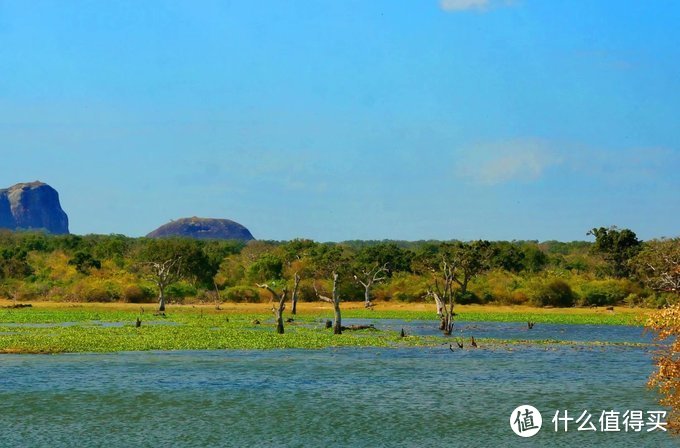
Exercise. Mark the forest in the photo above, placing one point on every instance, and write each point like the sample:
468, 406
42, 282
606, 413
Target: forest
616, 269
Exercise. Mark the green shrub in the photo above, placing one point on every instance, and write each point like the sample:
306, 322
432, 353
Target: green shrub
137, 294
467, 298
351, 292
555, 293
406, 297
403, 286
180, 290
496, 286
306, 293
633, 300
92, 293
33, 291
605, 292
660, 300
243, 294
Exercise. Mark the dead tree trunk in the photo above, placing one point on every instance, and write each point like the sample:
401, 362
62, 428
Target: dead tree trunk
163, 273
368, 277
440, 307
277, 310
337, 318
335, 301
161, 298
444, 311
296, 284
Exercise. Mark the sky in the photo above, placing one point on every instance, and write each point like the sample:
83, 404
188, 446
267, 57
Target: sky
348, 119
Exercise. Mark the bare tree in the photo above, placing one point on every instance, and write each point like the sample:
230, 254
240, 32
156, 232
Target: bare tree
443, 294
294, 298
452, 266
369, 276
335, 301
164, 273
658, 265
295, 255
277, 310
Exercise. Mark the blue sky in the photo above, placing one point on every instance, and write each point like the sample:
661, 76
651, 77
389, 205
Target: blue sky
335, 120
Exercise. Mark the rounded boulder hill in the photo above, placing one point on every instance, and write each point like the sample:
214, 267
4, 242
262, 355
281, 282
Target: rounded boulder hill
32, 206
203, 228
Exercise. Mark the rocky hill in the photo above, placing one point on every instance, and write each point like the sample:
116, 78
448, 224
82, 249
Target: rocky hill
32, 206
203, 228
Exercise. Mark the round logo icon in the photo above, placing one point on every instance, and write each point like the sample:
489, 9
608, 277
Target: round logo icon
526, 421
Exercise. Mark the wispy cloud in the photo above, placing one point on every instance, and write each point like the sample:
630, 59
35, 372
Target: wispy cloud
499, 162
472, 5
626, 166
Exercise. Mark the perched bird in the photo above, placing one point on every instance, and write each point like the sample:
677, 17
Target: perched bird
138, 323
460, 343
402, 333
473, 342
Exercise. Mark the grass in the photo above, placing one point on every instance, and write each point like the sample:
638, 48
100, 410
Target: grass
110, 327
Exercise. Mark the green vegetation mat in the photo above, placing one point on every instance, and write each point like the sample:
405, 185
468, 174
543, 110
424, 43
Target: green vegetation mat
32, 330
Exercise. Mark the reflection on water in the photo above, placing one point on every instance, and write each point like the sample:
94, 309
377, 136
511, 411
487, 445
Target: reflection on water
420, 397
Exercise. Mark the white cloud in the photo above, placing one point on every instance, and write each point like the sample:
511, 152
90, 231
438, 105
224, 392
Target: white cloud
472, 5
499, 162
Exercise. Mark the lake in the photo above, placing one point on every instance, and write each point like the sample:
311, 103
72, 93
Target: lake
346, 397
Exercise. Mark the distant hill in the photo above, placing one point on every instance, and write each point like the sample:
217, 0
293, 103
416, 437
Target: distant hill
203, 228
32, 206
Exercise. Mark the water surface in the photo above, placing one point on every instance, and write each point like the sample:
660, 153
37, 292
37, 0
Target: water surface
419, 397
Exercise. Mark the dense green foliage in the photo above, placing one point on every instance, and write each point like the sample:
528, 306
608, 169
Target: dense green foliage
617, 247
103, 268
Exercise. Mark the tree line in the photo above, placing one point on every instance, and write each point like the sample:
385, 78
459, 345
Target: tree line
616, 268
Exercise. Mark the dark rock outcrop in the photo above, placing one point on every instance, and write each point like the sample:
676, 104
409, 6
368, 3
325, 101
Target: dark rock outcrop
203, 228
32, 206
